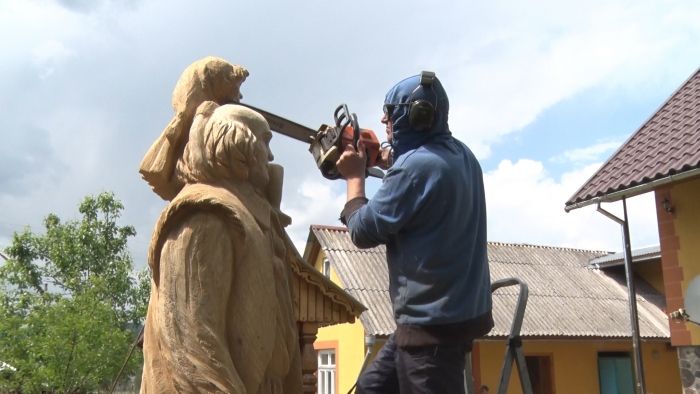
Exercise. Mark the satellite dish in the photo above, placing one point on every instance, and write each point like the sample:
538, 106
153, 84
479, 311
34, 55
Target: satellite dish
692, 299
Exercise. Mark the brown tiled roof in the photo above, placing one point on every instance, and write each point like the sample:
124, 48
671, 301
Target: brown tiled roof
566, 298
668, 143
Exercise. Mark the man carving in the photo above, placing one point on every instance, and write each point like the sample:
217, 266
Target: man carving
220, 317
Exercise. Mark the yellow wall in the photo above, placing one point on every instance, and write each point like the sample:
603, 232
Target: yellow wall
350, 351
686, 202
318, 264
652, 273
350, 341
576, 365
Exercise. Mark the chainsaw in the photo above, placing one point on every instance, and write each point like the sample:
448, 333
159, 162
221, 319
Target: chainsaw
329, 142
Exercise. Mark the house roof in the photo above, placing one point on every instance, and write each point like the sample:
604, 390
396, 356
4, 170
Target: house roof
566, 299
638, 255
341, 306
667, 144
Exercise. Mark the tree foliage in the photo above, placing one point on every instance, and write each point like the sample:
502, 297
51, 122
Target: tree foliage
71, 301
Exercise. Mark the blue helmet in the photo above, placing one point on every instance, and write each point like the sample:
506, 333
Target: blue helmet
406, 132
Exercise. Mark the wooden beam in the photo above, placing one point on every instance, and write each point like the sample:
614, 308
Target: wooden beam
309, 362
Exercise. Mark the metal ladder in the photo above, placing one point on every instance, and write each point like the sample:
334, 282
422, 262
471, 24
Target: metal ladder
514, 347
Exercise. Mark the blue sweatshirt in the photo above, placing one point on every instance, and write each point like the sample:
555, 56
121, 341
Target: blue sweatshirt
430, 212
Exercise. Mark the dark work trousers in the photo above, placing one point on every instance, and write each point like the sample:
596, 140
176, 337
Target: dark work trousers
437, 369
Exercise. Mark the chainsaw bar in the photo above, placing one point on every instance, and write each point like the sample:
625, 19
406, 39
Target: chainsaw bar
286, 126
299, 132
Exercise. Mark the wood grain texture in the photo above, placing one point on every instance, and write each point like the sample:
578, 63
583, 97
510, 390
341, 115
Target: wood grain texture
221, 314
209, 79
228, 286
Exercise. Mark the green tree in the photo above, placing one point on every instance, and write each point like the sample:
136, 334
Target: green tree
71, 302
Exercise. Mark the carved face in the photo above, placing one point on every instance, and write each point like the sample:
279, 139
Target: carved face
258, 174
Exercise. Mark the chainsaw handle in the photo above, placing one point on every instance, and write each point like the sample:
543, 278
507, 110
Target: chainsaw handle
342, 117
356, 131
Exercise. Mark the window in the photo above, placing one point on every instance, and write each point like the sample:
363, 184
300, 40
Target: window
326, 372
327, 268
615, 373
540, 370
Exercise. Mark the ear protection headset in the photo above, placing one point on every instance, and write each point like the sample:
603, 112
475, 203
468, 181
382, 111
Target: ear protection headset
422, 112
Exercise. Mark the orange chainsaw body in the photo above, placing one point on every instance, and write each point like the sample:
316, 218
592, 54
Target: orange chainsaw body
368, 138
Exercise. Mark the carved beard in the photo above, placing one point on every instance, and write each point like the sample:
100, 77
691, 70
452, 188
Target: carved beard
259, 176
258, 173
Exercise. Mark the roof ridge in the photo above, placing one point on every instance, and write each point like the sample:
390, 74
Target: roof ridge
531, 294
368, 251
495, 243
547, 247
324, 227
528, 263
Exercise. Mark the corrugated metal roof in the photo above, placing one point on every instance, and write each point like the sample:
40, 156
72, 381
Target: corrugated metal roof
668, 143
638, 255
567, 299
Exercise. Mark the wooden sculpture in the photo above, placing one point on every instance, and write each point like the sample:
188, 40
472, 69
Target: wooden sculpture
210, 79
221, 313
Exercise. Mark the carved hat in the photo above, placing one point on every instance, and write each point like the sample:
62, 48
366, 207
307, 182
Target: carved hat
209, 79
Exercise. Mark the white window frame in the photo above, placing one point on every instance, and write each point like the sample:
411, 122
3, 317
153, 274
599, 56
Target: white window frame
326, 372
327, 268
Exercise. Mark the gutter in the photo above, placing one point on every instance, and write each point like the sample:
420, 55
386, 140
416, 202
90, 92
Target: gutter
633, 191
370, 341
619, 262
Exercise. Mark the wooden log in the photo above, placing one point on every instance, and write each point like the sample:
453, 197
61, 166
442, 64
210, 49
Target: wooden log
309, 362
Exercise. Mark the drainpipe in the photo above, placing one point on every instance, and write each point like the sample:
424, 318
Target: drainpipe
631, 294
370, 341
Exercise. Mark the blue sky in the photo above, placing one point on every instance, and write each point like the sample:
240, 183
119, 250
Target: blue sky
542, 91
592, 117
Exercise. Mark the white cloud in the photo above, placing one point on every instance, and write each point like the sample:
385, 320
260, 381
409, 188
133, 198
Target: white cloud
503, 75
36, 32
315, 202
48, 56
525, 205
587, 154
115, 66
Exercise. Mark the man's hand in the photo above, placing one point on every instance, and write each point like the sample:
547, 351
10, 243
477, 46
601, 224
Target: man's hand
352, 164
385, 160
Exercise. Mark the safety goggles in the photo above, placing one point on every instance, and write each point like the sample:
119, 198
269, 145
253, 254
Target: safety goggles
389, 108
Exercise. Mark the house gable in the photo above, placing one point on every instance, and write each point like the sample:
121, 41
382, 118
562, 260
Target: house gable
667, 144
